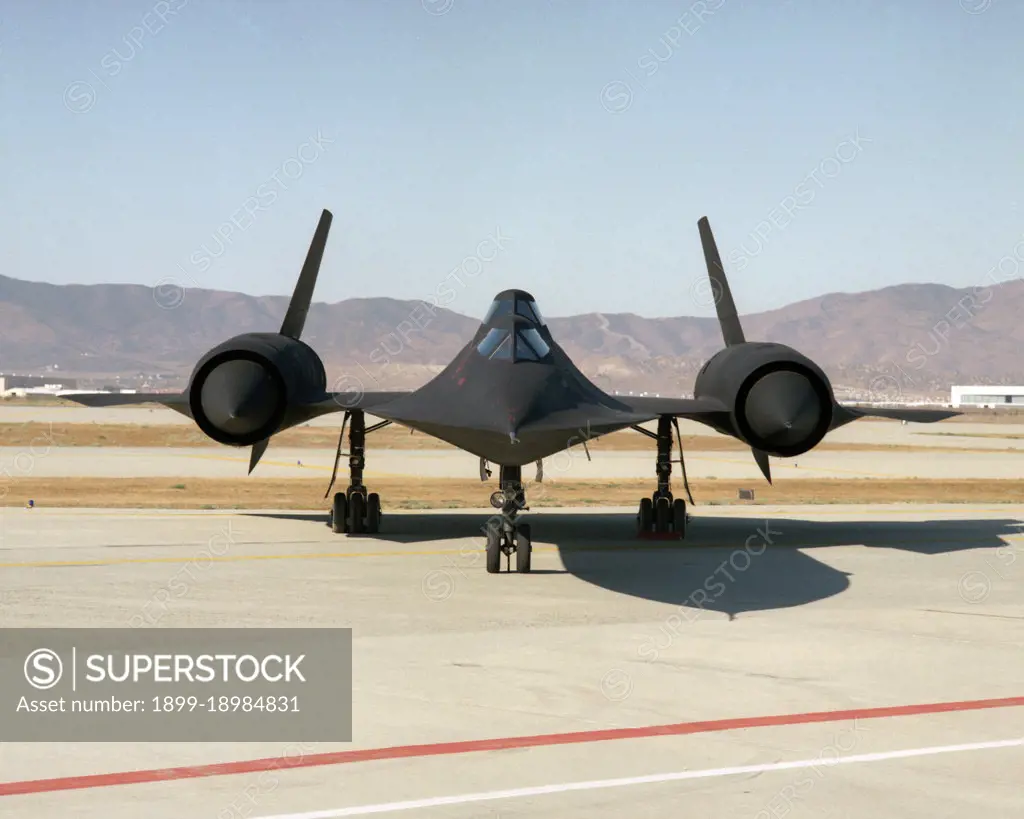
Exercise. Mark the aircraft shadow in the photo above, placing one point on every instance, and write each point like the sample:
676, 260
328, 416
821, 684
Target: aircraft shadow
726, 564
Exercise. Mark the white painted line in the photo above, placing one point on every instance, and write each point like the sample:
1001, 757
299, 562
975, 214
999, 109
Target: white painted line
542, 790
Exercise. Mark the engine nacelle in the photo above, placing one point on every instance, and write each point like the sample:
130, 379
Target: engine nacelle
254, 385
780, 401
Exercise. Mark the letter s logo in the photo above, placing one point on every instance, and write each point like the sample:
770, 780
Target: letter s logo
43, 668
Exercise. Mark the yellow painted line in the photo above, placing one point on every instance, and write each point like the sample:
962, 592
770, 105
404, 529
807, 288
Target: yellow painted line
857, 510
637, 546
786, 464
721, 511
149, 453
265, 462
778, 464
243, 558
367, 473
370, 473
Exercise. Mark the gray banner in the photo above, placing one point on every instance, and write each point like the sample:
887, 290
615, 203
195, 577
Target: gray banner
175, 685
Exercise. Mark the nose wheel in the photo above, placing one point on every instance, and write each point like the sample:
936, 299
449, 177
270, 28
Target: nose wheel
505, 535
518, 543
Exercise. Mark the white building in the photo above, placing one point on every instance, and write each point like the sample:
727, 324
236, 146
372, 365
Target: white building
14, 384
987, 396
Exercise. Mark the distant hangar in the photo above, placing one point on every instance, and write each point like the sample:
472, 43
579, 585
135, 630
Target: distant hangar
987, 395
12, 384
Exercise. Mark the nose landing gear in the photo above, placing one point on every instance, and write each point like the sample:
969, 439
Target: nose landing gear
505, 536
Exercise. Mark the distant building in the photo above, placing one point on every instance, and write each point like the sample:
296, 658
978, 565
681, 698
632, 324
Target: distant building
987, 396
36, 383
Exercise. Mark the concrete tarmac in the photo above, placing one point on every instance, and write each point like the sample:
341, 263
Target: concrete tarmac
769, 613
284, 462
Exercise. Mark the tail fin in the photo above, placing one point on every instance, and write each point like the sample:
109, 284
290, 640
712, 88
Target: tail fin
728, 318
732, 331
298, 307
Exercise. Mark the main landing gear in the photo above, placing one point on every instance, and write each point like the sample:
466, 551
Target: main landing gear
662, 513
355, 511
504, 535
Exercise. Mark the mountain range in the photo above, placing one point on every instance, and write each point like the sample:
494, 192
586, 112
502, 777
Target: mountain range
910, 339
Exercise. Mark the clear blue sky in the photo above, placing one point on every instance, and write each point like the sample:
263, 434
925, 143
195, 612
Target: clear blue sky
450, 119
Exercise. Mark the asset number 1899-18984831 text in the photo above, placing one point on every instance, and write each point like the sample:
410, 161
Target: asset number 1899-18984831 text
225, 704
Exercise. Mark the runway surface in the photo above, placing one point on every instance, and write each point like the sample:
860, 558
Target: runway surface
784, 632
282, 462
44, 460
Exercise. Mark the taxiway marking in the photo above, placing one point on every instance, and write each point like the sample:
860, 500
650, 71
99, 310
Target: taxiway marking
42, 564
643, 546
679, 776
496, 744
852, 511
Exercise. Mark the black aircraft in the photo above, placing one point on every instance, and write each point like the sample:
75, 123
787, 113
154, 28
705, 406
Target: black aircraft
511, 397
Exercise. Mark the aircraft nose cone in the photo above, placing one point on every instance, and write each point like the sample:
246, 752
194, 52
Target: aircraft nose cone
239, 397
783, 409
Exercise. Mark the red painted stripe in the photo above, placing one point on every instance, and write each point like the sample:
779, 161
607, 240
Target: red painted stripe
476, 745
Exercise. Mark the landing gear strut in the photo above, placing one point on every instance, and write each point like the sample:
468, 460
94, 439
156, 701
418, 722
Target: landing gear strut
662, 513
504, 535
355, 511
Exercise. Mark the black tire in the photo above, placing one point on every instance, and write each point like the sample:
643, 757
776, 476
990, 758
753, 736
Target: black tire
524, 548
339, 513
356, 514
679, 516
645, 519
493, 549
373, 513
662, 515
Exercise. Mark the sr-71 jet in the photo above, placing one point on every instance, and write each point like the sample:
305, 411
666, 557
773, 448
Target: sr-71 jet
511, 397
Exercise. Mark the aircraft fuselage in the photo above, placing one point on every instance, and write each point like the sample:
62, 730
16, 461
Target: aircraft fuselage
512, 396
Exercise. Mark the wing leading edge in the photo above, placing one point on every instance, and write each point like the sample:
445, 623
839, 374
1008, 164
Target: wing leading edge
710, 409
705, 410
842, 416
331, 402
175, 401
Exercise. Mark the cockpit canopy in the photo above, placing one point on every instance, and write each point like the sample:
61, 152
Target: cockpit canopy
514, 303
519, 344
516, 336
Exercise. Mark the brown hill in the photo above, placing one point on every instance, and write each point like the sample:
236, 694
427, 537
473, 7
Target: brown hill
914, 338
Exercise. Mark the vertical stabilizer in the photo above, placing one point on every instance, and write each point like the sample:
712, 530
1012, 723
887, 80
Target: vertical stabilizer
298, 307
732, 331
